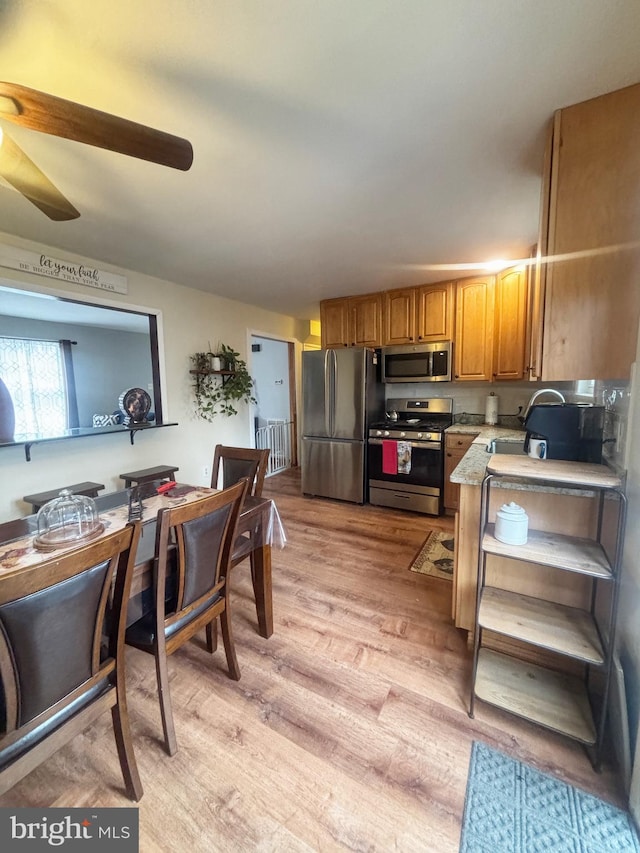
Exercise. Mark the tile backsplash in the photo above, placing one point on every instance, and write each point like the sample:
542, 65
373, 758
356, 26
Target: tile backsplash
615, 397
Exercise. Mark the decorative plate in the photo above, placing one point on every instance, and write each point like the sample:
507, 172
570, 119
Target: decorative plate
135, 404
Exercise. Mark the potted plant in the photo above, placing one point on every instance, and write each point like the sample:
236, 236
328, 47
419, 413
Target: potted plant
220, 395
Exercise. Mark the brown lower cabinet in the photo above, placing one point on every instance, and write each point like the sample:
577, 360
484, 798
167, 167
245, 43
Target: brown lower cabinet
456, 445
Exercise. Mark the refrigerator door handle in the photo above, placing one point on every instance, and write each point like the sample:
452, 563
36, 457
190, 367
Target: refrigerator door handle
331, 409
327, 391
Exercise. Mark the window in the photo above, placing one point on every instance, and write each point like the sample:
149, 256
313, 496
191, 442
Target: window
34, 373
585, 387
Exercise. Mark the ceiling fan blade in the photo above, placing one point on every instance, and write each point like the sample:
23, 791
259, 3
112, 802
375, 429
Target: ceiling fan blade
49, 114
23, 174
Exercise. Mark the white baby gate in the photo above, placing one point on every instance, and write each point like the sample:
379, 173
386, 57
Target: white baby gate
276, 435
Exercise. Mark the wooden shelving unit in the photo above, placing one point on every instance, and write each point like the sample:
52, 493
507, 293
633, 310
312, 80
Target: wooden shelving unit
574, 705
225, 374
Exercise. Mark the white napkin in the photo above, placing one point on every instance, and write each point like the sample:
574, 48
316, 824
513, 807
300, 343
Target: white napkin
404, 457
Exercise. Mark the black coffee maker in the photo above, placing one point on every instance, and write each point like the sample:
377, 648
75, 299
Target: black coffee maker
572, 431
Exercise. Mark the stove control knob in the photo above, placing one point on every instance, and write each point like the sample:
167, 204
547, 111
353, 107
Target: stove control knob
402, 434
386, 432
419, 435
378, 432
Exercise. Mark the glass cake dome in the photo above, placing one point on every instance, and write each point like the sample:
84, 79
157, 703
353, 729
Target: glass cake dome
67, 520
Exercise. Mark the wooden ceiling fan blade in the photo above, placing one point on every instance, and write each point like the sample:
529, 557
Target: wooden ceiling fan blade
23, 174
49, 114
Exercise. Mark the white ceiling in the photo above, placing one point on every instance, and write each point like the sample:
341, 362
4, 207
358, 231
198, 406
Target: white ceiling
339, 145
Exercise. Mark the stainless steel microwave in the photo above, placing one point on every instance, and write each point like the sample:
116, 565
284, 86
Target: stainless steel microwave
417, 363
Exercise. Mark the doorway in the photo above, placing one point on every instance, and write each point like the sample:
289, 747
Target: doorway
275, 420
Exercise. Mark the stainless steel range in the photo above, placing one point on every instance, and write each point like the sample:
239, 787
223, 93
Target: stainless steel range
406, 454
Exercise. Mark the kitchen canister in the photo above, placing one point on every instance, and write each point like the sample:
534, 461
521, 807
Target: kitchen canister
512, 524
491, 409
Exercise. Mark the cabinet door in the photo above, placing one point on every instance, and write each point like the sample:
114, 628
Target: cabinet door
510, 333
455, 448
400, 316
592, 302
435, 312
538, 278
334, 323
365, 316
473, 349
451, 490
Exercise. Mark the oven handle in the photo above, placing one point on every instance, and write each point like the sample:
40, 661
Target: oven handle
418, 445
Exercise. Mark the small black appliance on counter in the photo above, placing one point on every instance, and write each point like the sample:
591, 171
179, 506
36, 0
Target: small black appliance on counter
572, 431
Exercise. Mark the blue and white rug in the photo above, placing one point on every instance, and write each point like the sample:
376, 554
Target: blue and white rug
512, 808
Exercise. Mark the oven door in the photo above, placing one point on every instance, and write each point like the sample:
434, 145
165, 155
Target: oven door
427, 465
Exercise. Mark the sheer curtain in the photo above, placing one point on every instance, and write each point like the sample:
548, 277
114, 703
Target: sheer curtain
34, 373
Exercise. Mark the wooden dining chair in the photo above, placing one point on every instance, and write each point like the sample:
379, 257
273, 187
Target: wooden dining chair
62, 628
203, 533
235, 463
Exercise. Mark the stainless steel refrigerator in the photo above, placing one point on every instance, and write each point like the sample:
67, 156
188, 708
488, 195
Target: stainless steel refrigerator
340, 395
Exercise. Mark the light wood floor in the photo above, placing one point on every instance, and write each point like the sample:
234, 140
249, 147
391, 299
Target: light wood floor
348, 729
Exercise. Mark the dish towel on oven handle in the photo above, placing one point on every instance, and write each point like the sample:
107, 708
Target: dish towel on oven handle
404, 457
389, 457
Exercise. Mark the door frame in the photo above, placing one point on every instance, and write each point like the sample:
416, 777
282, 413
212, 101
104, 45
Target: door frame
293, 390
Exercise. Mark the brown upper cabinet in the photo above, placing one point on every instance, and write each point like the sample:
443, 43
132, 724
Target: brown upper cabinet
510, 331
400, 316
435, 304
419, 314
587, 304
490, 316
491, 326
473, 351
353, 321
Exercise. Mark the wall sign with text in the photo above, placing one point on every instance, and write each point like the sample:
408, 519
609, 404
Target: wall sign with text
55, 268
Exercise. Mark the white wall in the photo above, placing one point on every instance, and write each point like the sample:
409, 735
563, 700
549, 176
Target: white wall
190, 320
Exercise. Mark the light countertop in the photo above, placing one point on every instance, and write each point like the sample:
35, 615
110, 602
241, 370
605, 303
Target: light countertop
472, 468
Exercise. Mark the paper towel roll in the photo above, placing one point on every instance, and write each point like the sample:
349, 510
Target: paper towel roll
491, 410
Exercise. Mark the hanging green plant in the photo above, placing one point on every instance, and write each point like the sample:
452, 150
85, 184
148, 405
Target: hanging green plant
219, 392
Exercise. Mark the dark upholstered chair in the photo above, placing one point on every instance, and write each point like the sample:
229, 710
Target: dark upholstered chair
62, 658
235, 463
203, 533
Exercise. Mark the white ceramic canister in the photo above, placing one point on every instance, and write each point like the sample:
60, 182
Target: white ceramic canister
512, 524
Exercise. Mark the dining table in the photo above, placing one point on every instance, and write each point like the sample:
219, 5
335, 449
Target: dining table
18, 552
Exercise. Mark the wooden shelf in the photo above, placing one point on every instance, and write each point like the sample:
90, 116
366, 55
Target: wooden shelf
572, 553
566, 630
575, 474
554, 700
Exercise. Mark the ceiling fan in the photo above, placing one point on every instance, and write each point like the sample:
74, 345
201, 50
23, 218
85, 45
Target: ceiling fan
58, 117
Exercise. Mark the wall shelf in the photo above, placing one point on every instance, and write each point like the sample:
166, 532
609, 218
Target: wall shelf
83, 432
225, 374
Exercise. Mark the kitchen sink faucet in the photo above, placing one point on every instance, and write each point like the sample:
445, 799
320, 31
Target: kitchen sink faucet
535, 396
